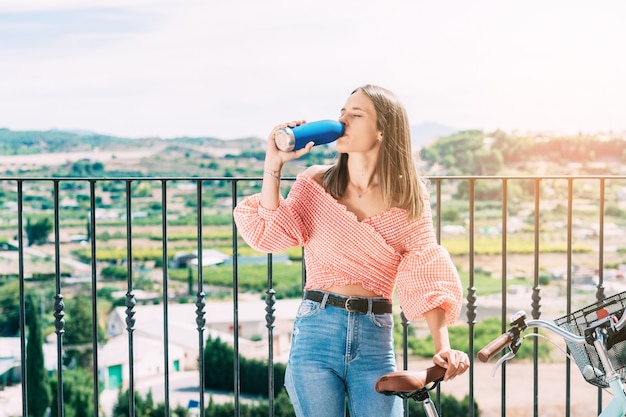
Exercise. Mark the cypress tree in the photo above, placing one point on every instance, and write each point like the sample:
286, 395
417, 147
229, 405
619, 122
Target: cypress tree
37, 388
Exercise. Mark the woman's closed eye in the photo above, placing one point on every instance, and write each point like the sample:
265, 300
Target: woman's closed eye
351, 115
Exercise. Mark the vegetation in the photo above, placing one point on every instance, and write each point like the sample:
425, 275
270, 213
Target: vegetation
37, 390
450, 406
38, 230
77, 394
34, 142
475, 152
77, 338
144, 407
210, 163
484, 332
219, 363
9, 308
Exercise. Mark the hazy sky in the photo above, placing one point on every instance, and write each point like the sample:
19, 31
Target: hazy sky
229, 69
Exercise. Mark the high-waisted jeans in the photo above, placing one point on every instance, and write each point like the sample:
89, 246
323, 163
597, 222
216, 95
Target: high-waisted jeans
336, 353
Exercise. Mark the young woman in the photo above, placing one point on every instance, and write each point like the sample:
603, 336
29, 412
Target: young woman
365, 223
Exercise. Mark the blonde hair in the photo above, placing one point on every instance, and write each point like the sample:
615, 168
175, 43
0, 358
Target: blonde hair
398, 177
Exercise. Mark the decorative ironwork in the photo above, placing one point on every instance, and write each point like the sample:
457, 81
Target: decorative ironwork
270, 301
131, 302
59, 314
536, 304
471, 305
200, 312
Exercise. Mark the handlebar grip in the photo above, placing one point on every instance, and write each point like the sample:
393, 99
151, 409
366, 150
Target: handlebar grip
494, 347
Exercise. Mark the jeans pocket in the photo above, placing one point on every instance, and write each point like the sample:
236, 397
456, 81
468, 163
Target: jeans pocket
307, 308
384, 320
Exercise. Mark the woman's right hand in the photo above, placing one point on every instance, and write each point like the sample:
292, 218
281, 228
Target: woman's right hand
274, 157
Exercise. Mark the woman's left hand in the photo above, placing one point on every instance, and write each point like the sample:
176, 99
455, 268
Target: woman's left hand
456, 362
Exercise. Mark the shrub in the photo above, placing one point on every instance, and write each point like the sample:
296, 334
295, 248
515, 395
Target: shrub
450, 407
218, 370
484, 332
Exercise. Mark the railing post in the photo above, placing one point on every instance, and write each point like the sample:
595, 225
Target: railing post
570, 216
270, 302
20, 248
405, 354
58, 301
600, 287
503, 289
471, 294
165, 298
200, 300
438, 237
94, 295
131, 302
536, 299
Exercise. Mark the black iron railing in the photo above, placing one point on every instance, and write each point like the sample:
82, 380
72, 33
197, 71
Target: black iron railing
517, 221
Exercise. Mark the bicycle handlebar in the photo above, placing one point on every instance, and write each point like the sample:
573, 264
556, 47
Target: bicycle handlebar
495, 346
509, 337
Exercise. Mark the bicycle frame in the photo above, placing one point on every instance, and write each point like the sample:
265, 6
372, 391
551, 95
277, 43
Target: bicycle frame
617, 406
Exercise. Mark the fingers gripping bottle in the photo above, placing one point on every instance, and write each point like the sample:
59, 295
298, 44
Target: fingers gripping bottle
320, 132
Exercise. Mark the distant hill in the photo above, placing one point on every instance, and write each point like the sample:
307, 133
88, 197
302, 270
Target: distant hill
60, 141
425, 133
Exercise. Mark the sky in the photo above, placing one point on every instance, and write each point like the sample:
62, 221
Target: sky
234, 69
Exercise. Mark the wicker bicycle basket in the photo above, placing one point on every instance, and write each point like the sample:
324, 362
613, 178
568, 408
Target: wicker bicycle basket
585, 355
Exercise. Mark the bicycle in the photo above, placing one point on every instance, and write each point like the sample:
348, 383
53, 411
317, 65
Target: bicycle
596, 338
413, 385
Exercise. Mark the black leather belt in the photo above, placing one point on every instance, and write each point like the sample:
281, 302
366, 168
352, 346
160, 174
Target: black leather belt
351, 304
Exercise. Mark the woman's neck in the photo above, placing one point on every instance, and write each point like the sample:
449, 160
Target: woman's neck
362, 173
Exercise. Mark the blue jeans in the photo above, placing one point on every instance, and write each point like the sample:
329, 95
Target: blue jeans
334, 354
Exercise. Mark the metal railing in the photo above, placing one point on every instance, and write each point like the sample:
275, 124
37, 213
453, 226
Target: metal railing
500, 217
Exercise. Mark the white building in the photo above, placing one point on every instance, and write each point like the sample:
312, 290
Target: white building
183, 336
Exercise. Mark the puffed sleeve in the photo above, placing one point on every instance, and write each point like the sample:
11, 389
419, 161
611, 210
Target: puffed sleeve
268, 230
427, 278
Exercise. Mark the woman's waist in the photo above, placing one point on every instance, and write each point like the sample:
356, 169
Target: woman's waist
351, 290
351, 303
368, 286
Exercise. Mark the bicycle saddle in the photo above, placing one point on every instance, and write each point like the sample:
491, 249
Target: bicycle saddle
409, 381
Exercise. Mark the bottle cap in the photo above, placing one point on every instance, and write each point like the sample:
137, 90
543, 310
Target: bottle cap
285, 139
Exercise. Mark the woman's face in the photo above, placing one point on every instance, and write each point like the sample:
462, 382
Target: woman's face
359, 117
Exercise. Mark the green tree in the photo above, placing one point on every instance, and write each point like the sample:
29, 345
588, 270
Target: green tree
486, 162
77, 394
282, 405
218, 370
78, 331
145, 407
37, 230
86, 169
10, 309
37, 389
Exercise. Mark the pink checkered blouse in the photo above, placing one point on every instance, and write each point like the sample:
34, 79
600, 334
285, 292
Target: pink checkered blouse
383, 252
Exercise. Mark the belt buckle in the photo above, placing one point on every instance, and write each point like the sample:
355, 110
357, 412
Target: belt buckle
347, 304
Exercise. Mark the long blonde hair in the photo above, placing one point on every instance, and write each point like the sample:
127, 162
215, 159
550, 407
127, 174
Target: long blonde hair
398, 178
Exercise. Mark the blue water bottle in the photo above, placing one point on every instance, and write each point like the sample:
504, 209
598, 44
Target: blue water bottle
323, 131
